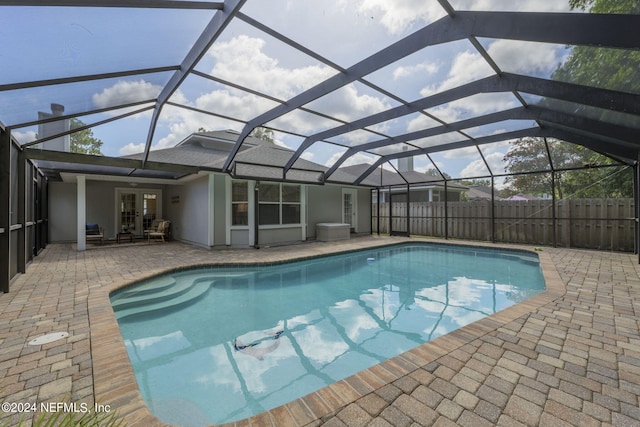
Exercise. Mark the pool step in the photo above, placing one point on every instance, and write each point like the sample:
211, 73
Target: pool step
161, 294
152, 287
181, 293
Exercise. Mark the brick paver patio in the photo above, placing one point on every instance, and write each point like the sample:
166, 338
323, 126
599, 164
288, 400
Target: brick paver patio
568, 357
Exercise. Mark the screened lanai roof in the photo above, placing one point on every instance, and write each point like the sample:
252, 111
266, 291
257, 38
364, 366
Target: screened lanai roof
363, 82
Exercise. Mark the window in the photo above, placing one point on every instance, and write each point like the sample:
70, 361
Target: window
279, 204
239, 203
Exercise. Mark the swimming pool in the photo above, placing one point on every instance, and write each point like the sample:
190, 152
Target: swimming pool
221, 344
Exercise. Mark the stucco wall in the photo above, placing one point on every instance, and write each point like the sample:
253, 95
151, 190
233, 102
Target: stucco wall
219, 211
272, 236
364, 210
100, 208
325, 205
186, 206
62, 212
187, 209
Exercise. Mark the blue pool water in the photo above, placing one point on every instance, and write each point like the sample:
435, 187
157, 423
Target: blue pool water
221, 344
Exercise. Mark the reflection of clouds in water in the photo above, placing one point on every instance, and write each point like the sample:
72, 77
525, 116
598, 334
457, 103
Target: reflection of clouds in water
306, 319
149, 347
385, 304
462, 317
355, 321
460, 291
317, 344
251, 369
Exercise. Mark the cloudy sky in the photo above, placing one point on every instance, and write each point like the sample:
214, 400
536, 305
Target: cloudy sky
60, 42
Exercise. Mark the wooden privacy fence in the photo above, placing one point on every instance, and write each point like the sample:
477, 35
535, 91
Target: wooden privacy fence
605, 224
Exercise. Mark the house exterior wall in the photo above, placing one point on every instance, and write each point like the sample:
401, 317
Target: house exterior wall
325, 205
364, 210
240, 238
100, 208
62, 212
219, 211
270, 236
187, 209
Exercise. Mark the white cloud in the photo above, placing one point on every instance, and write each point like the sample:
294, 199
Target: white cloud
397, 16
421, 122
307, 155
125, 92
474, 169
348, 104
465, 67
526, 57
131, 148
465, 152
356, 159
241, 60
302, 122
422, 68
24, 137
514, 6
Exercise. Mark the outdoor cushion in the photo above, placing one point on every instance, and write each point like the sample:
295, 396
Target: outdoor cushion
92, 229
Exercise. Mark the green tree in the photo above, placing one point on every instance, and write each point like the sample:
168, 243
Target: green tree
83, 141
263, 134
434, 173
616, 69
531, 155
472, 182
607, 6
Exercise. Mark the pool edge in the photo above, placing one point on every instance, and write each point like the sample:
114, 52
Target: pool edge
115, 384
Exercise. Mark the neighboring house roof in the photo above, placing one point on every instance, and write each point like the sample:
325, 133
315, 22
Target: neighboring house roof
479, 192
523, 197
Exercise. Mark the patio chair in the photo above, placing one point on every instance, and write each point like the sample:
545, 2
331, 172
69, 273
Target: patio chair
94, 232
153, 227
161, 232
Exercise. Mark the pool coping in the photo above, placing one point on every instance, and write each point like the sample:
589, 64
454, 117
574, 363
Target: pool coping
115, 383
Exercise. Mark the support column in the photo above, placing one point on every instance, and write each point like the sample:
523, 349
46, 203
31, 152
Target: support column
82, 213
408, 210
21, 211
5, 209
378, 207
493, 210
211, 214
554, 217
446, 211
256, 215
303, 212
636, 208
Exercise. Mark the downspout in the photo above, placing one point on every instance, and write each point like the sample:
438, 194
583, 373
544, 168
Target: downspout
256, 216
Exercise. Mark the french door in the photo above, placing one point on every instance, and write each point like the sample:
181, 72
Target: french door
350, 208
136, 209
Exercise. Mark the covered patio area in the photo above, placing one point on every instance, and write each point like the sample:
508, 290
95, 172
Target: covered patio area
568, 357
